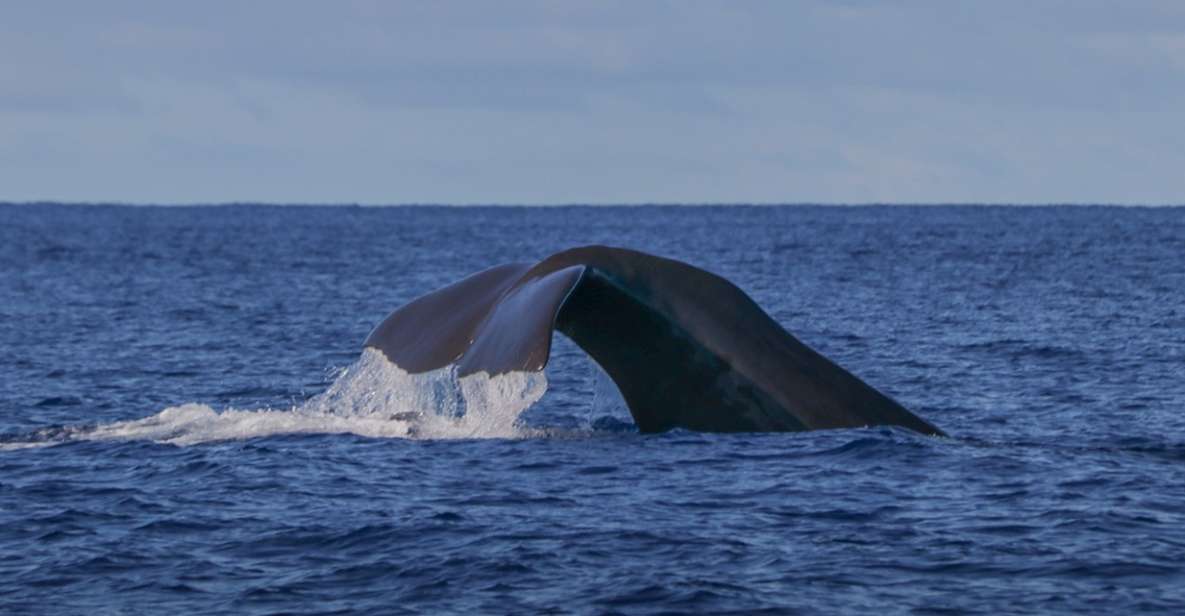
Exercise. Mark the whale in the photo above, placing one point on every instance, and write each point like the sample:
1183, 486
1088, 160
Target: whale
686, 348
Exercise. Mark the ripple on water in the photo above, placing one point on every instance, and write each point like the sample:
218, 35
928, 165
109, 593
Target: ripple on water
177, 432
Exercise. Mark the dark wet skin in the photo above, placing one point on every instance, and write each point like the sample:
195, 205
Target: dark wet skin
686, 348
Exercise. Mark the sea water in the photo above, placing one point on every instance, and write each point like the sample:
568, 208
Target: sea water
188, 421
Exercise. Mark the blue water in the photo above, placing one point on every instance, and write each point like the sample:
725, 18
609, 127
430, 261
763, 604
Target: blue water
166, 442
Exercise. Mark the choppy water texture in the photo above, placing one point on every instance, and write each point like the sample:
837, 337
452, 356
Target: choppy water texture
187, 422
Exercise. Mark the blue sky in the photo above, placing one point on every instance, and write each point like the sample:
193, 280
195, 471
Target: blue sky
606, 102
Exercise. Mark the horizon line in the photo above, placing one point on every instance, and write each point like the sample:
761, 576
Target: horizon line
574, 204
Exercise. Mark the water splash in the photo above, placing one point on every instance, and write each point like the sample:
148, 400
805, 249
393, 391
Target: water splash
372, 398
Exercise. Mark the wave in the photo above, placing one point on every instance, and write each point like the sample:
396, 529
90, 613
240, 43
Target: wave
372, 398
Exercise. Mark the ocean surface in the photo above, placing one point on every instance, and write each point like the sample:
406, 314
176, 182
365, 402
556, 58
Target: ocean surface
188, 423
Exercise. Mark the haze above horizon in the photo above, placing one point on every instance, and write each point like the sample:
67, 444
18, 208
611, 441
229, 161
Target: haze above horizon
618, 103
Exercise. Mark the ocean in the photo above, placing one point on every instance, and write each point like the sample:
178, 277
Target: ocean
188, 422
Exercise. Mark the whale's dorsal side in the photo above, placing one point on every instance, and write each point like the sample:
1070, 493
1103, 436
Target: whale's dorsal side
686, 348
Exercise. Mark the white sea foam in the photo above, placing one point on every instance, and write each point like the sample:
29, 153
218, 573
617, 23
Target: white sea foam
373, 398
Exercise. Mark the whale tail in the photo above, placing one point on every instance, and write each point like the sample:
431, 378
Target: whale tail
686, 348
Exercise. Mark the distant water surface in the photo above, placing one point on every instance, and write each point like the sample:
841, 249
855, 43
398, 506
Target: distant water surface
187, 422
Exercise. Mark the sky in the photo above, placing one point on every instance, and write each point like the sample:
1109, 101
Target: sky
593, 102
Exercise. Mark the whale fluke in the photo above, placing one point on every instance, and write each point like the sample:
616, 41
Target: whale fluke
686, 348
